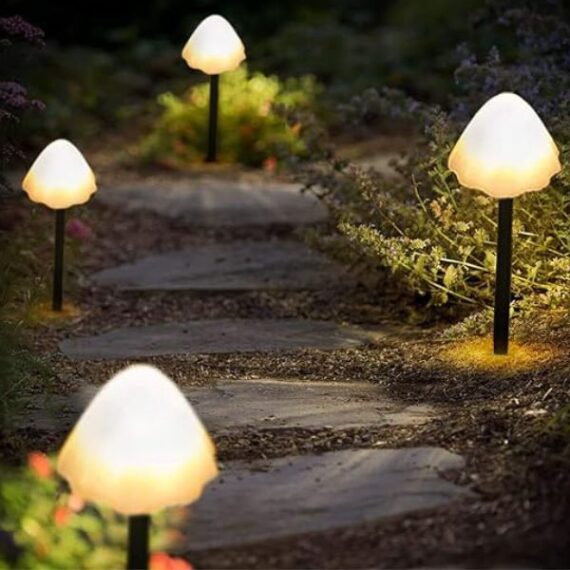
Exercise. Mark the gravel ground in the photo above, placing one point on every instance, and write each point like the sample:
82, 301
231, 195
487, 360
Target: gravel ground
498, 417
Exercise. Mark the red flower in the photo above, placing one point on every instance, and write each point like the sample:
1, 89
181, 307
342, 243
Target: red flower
162, 561
270, 164
61, 516
40, 464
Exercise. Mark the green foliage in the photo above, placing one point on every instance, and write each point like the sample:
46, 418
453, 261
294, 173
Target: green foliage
26, 249
250, 130
22, 283
335, 53
88, 91
439, 239
405, 44
17, 366
45, 527
436, 238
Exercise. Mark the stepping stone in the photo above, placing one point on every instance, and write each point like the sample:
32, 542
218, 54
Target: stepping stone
225, 267
217, 337
300, 404
259, 404
211, 201
299, 494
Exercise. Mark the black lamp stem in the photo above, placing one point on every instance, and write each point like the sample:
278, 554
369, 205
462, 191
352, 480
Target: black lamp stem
138, 555
213, 124
57, 301
503, 284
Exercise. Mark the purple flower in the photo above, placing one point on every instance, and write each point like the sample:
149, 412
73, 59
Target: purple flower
78, 230
15, 27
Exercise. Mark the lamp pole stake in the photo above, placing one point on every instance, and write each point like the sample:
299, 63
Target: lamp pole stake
138, 554
58, 260
503, 283
213, 123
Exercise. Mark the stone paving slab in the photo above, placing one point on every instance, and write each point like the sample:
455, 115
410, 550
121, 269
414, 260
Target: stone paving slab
211, 201
217, 337
258, 404
224, 267
298, 494
302, 404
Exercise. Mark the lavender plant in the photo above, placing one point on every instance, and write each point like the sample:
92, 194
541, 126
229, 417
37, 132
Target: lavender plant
15, 32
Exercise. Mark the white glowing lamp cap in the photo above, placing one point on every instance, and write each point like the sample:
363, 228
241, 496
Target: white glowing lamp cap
214, 47
60, 177
505, 150
139, 446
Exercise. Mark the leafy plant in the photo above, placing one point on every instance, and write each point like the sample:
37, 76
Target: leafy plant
433, 236
250, 131
89, 91
43, 526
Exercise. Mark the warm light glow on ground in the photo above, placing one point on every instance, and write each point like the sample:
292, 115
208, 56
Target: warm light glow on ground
477, 354
42, 312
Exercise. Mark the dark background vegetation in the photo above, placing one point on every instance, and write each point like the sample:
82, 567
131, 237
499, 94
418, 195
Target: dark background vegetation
105, 69
104, 59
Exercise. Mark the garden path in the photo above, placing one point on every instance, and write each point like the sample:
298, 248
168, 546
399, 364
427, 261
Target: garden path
243, 200
229, 406
295, 491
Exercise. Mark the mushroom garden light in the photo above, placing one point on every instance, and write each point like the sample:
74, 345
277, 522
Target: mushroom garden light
214, 48
505, 151
59, 178
140, 457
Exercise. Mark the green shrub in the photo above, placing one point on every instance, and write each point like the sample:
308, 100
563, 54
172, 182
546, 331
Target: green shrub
250, 130
436, 238
43, 526
88, 92
439, 239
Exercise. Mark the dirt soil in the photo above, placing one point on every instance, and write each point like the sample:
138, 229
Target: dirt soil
499, 417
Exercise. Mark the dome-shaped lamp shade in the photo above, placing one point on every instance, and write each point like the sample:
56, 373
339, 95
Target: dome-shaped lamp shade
505, 150
214, 47
60, 177
139, 447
